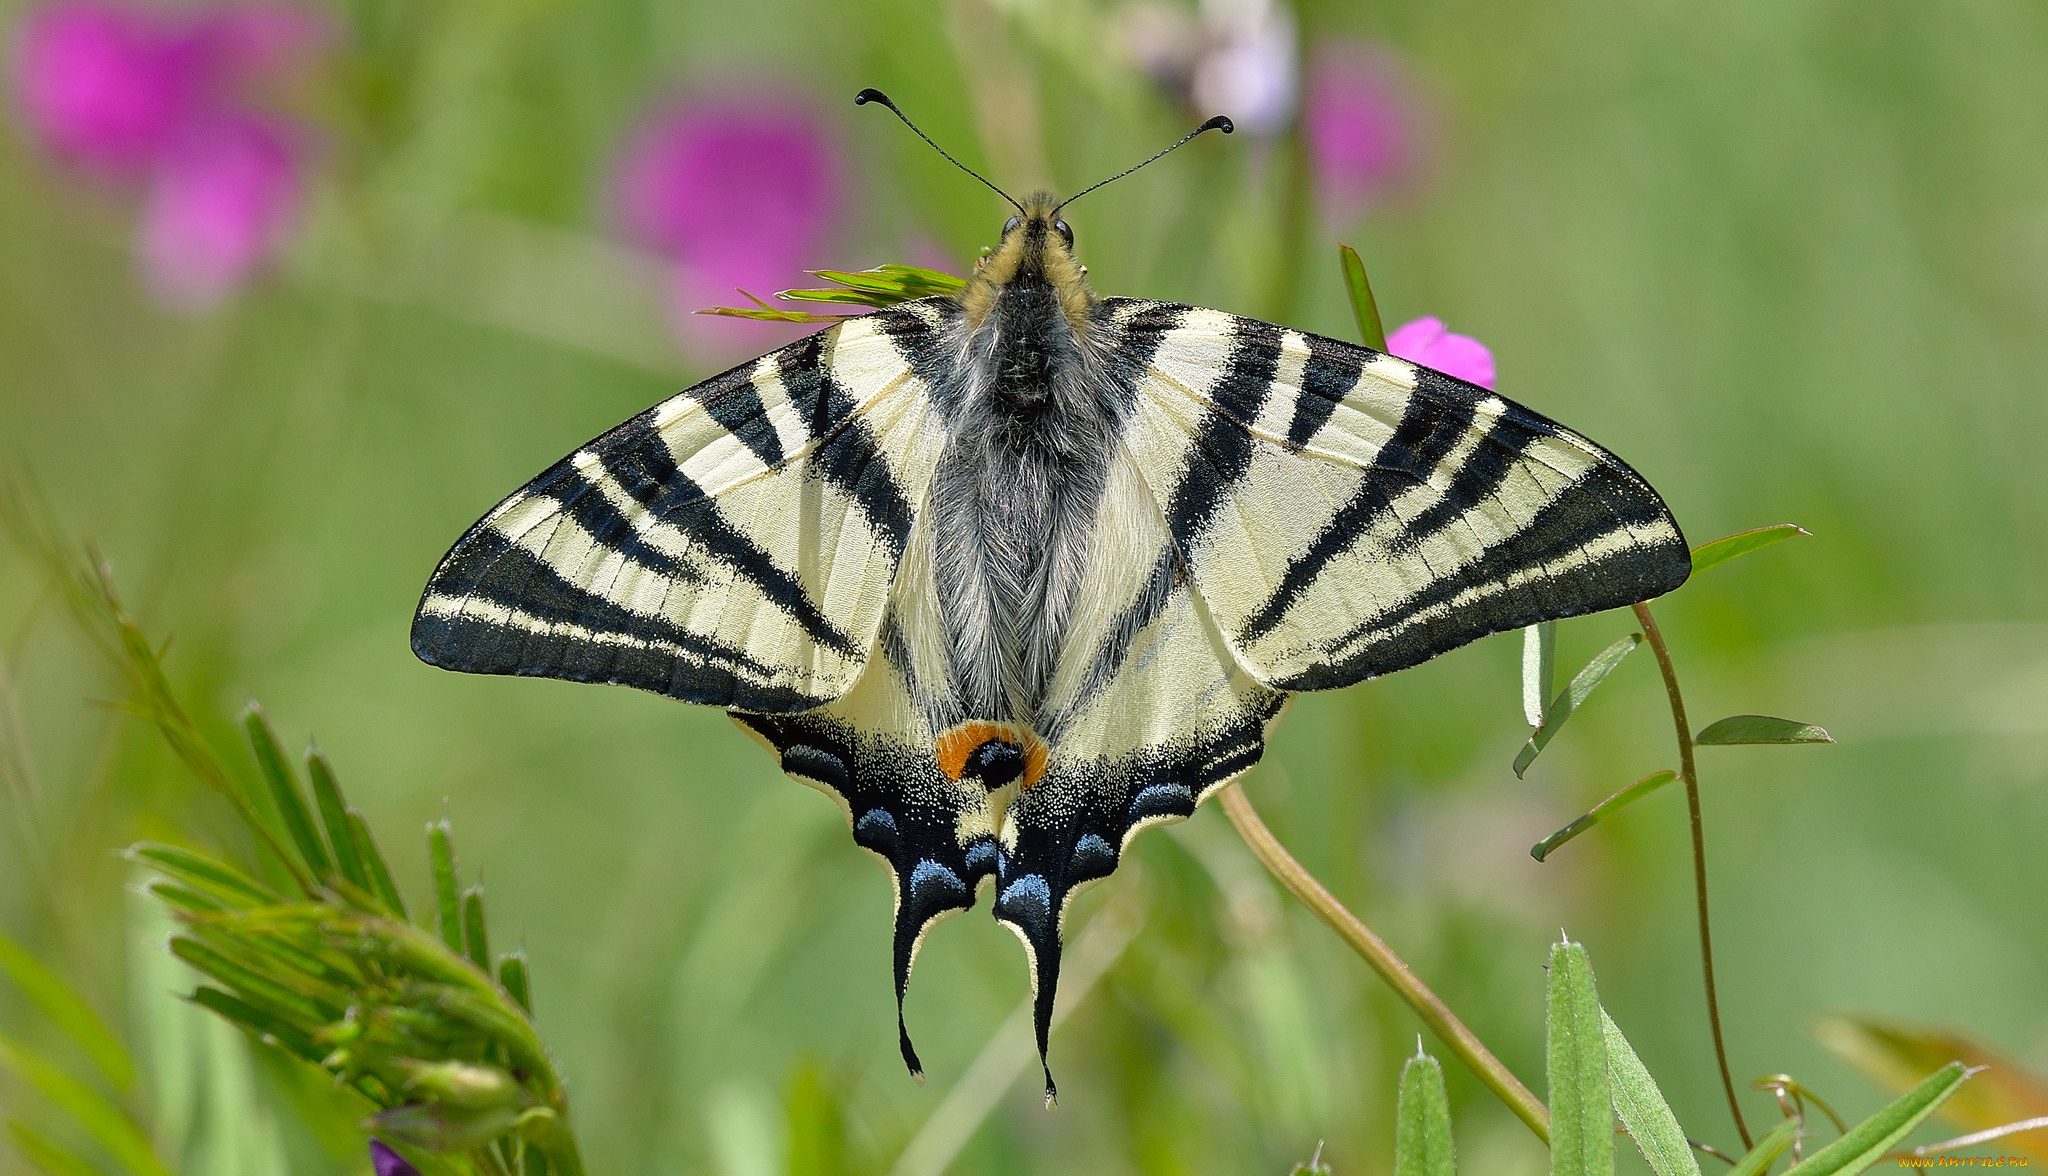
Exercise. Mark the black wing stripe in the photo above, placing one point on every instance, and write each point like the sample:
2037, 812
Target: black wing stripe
735, 403
850, 459
1222, 448
1327, 377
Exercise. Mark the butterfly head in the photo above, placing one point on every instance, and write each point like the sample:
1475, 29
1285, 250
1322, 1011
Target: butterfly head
1037, 251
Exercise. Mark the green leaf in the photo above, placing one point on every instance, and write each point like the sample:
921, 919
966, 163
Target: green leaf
100, 1118
195, 869
1767, 1149
1363, 308
1760, 729
1422, 1121
47, 1154
68, 1012
1539, 669
373, 863
475, 936
284, 792
1868, 1141
447, 899
1720, 551
884, 285
512, 978
1601, 811
1582, 686
348, 859
1581, 1102
1642, 1108
1894, 1055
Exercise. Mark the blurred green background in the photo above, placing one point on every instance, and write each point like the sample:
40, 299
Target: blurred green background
1788, 257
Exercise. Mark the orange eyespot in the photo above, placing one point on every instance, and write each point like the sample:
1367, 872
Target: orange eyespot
991, 751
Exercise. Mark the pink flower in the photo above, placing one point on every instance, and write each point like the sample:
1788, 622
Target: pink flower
159, 97
737, 195
1425, 341
1362, 124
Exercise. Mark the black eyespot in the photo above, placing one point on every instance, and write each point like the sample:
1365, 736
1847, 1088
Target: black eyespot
1066, 234
1012, 223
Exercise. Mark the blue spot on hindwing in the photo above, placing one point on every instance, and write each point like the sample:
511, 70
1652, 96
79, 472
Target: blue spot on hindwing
876, 830
1161, 800
934, 887
1027, 902
982, 858
1093, 858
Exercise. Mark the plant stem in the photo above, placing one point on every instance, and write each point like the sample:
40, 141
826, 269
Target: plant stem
1690, 777
1403, 980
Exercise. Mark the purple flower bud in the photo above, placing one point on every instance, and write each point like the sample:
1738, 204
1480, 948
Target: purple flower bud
388, 1162
1362, 123
1425, 341
221, 201
737, 194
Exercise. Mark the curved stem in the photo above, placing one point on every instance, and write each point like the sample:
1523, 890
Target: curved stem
1690, 777
1403, 980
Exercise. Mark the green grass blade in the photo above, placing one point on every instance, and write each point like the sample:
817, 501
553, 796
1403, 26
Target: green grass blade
1363, 308
1539, 670
1767, 1149
1720, 551
1737, 729
447, 898
68, 1012
1868, 1141
512, 977
348, 857
1581, 1102
1602, 811
1642, 1108
284, 792
48, 1155
1574, 696
1422, 1121
101, 1119
373, 863
475, 935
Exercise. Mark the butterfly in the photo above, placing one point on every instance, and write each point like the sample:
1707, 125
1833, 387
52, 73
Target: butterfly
1017, 572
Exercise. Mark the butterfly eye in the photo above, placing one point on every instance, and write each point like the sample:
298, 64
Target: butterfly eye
1012, 223
1066, 234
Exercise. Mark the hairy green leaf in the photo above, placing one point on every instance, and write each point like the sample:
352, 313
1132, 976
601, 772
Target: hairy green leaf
447, 897
68, 1012
1642, 1108
475, 935
284, 791
1894, 1054
1574, 696
1767, 1150
373, 863
1363, 308
222, 881
348, 859
1720, 551
264, 1026
1539, 670
1601, 811
1581, 1102
1422, 1121
1760, 729
101, 1119
1868, 1141
512, 978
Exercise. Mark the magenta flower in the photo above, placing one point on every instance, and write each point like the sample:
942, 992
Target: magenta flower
159, 97
737, 195
388, 1162
1425, 341
1362, 124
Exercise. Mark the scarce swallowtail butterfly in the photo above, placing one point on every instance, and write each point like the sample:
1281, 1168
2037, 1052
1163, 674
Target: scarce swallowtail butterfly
1015, 573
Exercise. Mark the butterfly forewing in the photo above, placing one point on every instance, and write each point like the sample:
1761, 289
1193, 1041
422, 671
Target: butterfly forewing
734, 545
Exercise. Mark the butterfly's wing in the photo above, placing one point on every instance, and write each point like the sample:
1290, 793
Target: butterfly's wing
733, 545
1346, 514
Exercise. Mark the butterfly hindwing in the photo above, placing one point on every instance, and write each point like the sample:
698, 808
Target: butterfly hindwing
733, 545
1346, 514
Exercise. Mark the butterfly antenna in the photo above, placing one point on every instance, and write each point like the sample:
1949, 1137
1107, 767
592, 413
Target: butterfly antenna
1219, 123
873, 95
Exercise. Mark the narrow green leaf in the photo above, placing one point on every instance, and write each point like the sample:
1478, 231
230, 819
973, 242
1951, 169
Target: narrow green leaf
373, 863
183, 899
1574, 696
447, 899
68, 1012
768, 314
1642, 1108
1363, 308
48, 1155
474, 934
1601, 811
512, 977
1422, 1121
1720, 551
1581, 1102
1539, 669
265, 1027
1760, 729
284, 792
1868, 1141
101, 1119
348, 859
1767, 1150
203, 872
287, 994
